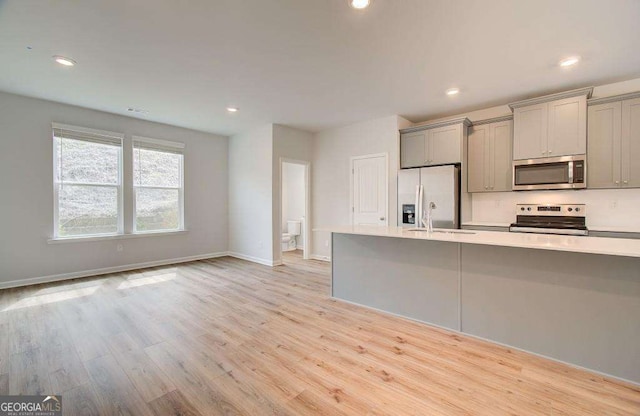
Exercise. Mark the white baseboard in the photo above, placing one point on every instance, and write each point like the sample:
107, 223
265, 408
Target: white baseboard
105, 270
321, 258
258, 260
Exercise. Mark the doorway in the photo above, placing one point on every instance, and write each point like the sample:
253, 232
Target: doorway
369, 189
294, 210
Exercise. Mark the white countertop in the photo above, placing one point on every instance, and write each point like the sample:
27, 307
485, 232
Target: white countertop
579, 244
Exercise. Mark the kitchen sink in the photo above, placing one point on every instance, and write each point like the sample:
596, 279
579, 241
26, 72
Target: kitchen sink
442, 231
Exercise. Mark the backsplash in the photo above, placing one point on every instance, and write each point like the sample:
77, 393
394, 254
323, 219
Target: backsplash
614, 209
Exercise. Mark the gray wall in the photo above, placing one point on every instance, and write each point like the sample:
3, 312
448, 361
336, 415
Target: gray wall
250, 195
26, 186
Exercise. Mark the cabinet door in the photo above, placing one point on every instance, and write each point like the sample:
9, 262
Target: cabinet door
500, 151
567, 127
477, 155
412, 149
630, 143
603, 163
445, 145
530, 134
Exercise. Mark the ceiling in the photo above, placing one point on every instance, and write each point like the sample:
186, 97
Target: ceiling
311, 64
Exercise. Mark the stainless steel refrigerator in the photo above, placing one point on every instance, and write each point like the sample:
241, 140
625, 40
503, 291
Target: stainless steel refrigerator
418, 187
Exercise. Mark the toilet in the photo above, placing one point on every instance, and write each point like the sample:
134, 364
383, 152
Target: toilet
289, 238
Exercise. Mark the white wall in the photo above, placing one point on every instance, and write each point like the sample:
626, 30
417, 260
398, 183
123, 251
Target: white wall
332, 150
26, 189
607, 209
250, 195
293, 197
288, 143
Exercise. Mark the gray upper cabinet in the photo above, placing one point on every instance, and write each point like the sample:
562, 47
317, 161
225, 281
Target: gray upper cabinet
445, 145
614, 143
489, 157
554, 125
631, 143
412, 149
477, 159
567, 127
604, 152
530, 132
434, 144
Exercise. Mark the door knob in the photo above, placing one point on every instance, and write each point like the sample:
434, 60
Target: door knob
381, 218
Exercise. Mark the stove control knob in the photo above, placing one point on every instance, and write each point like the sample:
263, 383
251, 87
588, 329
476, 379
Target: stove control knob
521, 208
577, 209
570, 209
528, 208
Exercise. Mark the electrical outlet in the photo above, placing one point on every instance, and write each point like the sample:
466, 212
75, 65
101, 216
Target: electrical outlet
613, 204
119, 248
326, 243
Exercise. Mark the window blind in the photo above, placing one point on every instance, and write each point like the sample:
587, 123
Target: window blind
158, 145
94, 136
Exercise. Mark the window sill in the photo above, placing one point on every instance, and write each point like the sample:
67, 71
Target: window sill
89, 238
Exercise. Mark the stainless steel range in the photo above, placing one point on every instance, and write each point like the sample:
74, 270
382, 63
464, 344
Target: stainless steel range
569, 219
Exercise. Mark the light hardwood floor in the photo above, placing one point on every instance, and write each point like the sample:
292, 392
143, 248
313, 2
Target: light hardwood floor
226, 336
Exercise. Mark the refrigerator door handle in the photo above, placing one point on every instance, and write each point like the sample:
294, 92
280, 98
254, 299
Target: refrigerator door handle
418, 214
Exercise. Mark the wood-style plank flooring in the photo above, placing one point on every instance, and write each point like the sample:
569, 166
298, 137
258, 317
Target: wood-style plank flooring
225, 336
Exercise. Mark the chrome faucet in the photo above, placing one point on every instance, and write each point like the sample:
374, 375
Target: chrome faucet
428, 221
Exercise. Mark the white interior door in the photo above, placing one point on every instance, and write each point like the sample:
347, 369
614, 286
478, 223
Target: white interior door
369, 190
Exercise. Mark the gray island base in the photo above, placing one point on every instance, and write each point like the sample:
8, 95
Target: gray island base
582, 309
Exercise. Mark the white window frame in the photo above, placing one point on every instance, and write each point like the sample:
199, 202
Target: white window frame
112, 136
159, 145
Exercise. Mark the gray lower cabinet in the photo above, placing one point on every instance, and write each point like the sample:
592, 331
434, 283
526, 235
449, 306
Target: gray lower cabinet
614, 145
489, 157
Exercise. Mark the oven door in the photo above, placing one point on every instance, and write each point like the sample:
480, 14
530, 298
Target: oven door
565, 172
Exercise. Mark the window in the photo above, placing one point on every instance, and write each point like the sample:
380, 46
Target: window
87, 182
158, 185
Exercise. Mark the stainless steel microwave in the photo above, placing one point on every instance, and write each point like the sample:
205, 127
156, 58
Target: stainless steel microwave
563, 172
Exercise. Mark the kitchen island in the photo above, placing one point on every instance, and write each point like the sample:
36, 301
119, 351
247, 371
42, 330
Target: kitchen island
573, 299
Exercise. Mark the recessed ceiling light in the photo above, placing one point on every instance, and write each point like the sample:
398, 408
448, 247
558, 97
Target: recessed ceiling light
232, 109
64, 61
359, 4
453, 91
570, 61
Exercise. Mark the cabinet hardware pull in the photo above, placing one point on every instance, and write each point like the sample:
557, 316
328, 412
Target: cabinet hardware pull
625, 182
